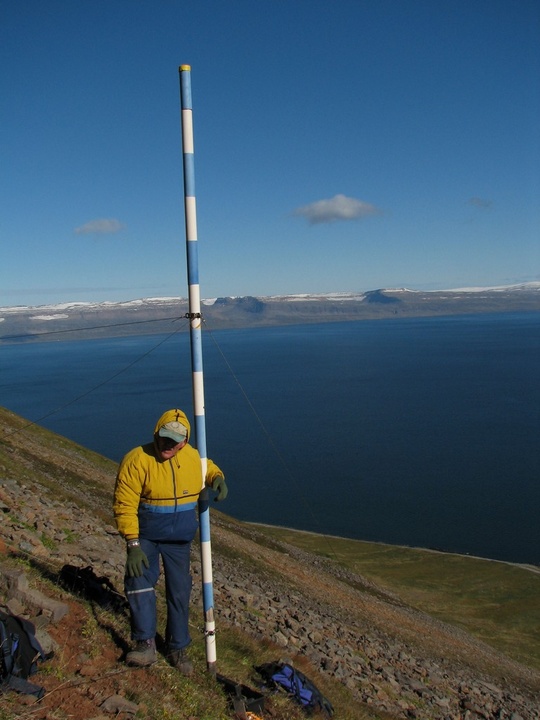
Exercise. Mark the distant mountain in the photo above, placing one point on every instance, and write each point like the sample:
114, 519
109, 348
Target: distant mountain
78, 320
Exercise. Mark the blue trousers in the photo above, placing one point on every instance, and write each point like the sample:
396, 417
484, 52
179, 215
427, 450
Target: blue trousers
141, 593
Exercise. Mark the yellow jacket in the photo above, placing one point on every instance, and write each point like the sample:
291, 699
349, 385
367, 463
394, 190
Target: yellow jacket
157, 499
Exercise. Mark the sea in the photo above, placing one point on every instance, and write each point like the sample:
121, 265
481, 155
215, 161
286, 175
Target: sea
422, 432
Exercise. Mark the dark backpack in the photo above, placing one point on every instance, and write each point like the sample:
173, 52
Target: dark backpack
84, 582
297, 685
20, 655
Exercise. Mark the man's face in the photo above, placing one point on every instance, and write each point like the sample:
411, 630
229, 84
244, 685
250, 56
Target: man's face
167, 448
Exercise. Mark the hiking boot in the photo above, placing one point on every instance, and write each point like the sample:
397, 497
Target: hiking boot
143, 654
179, 659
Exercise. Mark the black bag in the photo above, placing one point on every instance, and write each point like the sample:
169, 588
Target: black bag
242, 698
20, 655
297, 685
85, 582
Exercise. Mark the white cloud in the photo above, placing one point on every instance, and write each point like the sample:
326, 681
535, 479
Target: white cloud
101, 226
340, 207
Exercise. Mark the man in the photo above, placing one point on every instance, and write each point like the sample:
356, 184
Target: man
155, 502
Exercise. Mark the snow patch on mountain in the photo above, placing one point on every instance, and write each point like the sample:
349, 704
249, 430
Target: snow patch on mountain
500, 288
60, 316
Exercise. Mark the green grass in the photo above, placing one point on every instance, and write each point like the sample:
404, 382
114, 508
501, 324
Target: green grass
494, 601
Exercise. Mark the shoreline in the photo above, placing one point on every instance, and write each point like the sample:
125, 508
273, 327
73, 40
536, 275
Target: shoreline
523, 566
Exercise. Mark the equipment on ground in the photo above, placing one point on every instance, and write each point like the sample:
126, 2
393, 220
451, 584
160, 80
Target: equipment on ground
20, 654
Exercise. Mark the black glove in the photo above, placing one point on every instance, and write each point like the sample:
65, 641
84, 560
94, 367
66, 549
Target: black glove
220, 486
135, 561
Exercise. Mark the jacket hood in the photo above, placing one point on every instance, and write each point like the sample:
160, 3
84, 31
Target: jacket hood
173, 415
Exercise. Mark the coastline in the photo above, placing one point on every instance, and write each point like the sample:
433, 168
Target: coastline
77, 321
523, 566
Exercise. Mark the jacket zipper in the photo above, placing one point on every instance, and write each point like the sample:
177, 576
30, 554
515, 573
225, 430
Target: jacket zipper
174, 485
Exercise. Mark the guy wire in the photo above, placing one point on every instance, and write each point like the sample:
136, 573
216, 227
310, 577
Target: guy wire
99, 385
271, 442
93, 327
267, 434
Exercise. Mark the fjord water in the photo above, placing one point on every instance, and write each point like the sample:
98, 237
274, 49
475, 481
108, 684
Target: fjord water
421, 432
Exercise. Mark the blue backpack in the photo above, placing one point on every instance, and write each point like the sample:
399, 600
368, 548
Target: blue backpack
302, 690
19, 655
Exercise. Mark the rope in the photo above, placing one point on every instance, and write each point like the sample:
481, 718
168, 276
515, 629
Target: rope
292, 477
99, 385
272, 443
93, 327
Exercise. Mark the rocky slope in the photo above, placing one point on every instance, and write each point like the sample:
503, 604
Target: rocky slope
394, 659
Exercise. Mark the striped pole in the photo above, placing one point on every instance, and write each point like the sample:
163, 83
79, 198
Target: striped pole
196, 359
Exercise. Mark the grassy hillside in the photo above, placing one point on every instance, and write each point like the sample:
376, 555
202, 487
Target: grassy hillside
457, 622
495, 601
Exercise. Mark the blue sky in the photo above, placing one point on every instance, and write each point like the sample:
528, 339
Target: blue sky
339, 146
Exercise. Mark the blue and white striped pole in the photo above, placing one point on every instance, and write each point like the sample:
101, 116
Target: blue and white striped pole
196, 358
